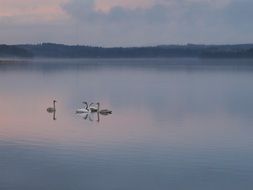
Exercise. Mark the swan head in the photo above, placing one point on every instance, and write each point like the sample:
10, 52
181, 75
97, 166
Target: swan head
86, 103
55, 101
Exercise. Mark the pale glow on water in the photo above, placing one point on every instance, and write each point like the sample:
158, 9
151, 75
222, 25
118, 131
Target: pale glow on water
172, 127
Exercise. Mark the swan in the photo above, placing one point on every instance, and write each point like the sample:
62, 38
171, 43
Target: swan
52, 109
93, 108
103, 112
85, 109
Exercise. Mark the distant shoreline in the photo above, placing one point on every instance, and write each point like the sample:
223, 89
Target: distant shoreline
60, 51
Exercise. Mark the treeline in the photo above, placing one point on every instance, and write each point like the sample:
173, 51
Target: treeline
49, 50
14, 51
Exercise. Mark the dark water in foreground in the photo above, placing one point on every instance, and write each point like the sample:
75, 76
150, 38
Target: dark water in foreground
177, 124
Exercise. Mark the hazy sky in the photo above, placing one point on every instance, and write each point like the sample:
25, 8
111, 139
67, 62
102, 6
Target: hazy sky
126, 22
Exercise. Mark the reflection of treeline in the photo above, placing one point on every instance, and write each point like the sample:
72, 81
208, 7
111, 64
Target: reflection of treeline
64, 51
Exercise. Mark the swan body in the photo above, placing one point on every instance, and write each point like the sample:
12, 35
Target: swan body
84, 110
52, 109
104, 111
93, 108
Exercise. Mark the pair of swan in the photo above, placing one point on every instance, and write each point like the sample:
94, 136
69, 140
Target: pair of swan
87, 108
92, 108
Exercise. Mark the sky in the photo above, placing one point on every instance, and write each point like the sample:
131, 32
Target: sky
126, 22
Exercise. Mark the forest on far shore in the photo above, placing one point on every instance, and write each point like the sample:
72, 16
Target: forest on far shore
50, 50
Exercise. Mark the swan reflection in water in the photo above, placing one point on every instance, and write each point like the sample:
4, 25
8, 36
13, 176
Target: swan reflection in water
52, 110
88, 116
90, 110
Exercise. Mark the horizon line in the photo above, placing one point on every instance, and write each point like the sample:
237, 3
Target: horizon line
137, 46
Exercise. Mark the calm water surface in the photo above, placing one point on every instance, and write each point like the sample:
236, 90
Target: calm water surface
179, 124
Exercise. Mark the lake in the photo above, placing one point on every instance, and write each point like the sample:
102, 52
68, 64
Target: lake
179, 124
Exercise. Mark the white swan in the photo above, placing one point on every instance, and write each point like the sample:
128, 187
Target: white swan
93, 108
84, 110
52, 109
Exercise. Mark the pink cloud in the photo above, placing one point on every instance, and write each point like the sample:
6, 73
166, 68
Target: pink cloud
107, 5
32, 9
